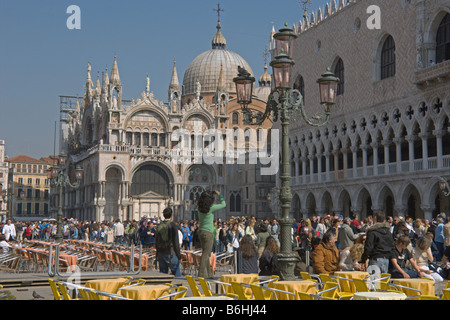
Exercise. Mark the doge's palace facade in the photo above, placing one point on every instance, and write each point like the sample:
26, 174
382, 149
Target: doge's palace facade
388, 139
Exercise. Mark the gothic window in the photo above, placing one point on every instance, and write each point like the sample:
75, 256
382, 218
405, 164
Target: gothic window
235, 202
235, 118
443, 40
388, 58
339, 72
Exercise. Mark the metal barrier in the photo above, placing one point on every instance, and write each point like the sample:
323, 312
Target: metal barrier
129, 272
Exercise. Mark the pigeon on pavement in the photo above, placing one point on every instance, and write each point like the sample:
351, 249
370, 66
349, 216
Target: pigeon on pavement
37, 296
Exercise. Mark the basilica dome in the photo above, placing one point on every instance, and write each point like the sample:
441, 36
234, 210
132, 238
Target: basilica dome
206, 68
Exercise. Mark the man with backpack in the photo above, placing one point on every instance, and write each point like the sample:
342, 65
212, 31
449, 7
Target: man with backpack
168, 245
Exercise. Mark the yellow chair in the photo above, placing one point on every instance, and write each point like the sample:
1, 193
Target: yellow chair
7, 295
91, 294
446, 293
324, 278
55, 291
193, 286
425, 297
304, 296
239, 289
85, 295
131, 283
266, 293
205, 285
381, 285
180, 293
361, 285
307, 276
64, 292
267, 281
411, 293
329, 290
232, 295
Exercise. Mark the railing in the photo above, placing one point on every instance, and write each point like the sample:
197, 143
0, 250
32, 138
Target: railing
439, 70
432, 164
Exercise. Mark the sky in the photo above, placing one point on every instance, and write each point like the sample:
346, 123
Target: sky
41, 58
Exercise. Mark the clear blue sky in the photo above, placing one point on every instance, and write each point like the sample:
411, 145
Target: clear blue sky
40, 58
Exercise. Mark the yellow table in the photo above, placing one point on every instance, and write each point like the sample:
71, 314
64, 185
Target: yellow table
107, 285
306, 286
379, 296
241, 277
146, 292
348, 286
426, 286
206, 298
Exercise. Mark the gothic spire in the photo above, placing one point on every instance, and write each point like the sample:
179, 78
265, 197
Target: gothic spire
115, 78
174, 83
221, 84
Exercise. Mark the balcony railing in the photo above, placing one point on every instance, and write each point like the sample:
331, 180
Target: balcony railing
368, 171
433, 73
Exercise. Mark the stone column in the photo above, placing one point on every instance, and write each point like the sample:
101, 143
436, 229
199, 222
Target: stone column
375, 146
424, 137
327, 165
398, 153
354, 150
411, 139
401, 210
427, 212
303, 159
386, 144
336, 163
319, 167
439, 134
311, 167
345, 159
364, 148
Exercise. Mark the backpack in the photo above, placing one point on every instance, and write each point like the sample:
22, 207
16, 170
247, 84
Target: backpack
162, 236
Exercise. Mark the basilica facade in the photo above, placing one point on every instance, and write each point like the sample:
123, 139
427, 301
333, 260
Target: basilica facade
129, 152
388, 140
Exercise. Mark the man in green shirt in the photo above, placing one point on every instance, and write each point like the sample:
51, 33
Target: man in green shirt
206, 208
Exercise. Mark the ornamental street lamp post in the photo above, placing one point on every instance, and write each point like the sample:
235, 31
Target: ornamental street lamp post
274, 200
289, 102
59, 179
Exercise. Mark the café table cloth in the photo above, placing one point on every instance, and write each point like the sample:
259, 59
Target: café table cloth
348, 286
145, 292
107, 285
241, 277
379, 296
295, 286
426, 286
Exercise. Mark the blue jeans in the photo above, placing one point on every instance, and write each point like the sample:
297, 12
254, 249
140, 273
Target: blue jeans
167, 261
382, 263
440, 247
119, 240
396, 274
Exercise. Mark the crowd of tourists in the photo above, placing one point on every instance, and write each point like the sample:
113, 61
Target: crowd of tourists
401, 246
